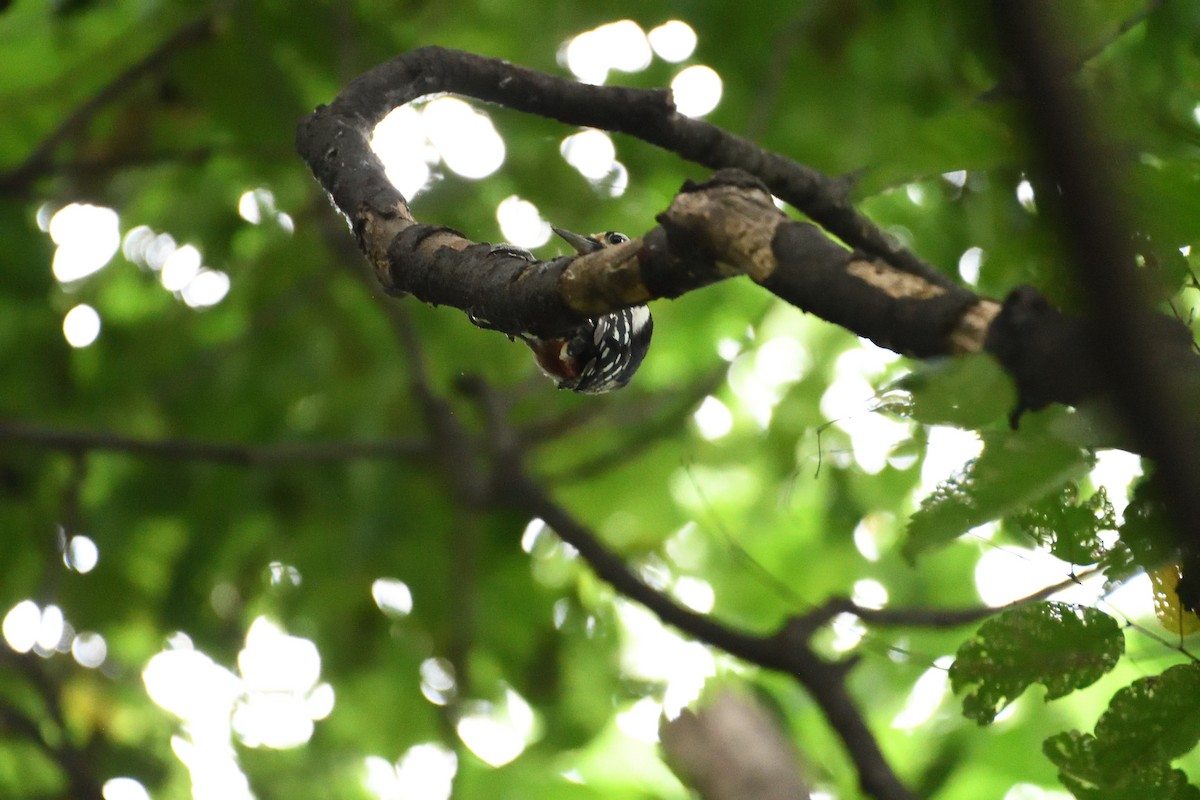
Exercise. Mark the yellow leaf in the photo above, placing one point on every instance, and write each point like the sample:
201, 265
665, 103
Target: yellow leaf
1171, 615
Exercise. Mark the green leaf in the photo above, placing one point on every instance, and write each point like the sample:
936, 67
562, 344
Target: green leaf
1147, 724
1014, 470
1154, 717
968, 392
1085, 769
1070, 526
1062, 646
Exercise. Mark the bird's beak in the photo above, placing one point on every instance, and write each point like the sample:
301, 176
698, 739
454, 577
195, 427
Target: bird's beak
582, 244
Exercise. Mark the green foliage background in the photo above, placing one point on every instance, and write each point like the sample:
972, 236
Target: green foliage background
302, 350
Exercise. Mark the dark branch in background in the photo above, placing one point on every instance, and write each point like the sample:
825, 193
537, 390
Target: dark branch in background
1137, 364
788, 651
271, 455
94, 167
41, 160
456, 453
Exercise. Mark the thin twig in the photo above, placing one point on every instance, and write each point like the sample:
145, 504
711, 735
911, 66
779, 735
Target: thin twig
41, 159
934, 617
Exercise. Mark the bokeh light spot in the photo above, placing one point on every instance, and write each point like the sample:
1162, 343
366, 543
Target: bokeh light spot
424, 772
207, 288
81, 326
532, 532
400, 142
618, 45
697, 90
81, 554
673, 41
465, 137
87, 237
1025, 196
591, 152
392, 596
957, 178
497, 732
926, 696
713, 419
278, 721
89, 649
188, 684
521, 223
181, 266
869, 593
21, 625
280, 574
437, 681
124, 789
256, 205
273, 661
428, 770
53, 631
695, 593
969, 263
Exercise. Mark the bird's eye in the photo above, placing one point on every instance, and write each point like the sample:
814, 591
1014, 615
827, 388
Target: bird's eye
613, 237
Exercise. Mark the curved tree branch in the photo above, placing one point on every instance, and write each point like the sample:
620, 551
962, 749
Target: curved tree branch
726, 226
509, 293
334, 139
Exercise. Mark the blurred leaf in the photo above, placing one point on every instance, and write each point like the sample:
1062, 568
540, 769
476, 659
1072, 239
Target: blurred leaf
970, 392
1069, 526
1062, 646
1014, 470
1147, 725
1090, 777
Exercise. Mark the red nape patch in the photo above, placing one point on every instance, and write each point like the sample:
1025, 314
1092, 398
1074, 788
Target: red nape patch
550, 357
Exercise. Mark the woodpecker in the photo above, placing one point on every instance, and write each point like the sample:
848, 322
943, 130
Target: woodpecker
603, 353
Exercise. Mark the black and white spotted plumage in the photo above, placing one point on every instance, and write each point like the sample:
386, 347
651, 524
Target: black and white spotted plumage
603, 353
